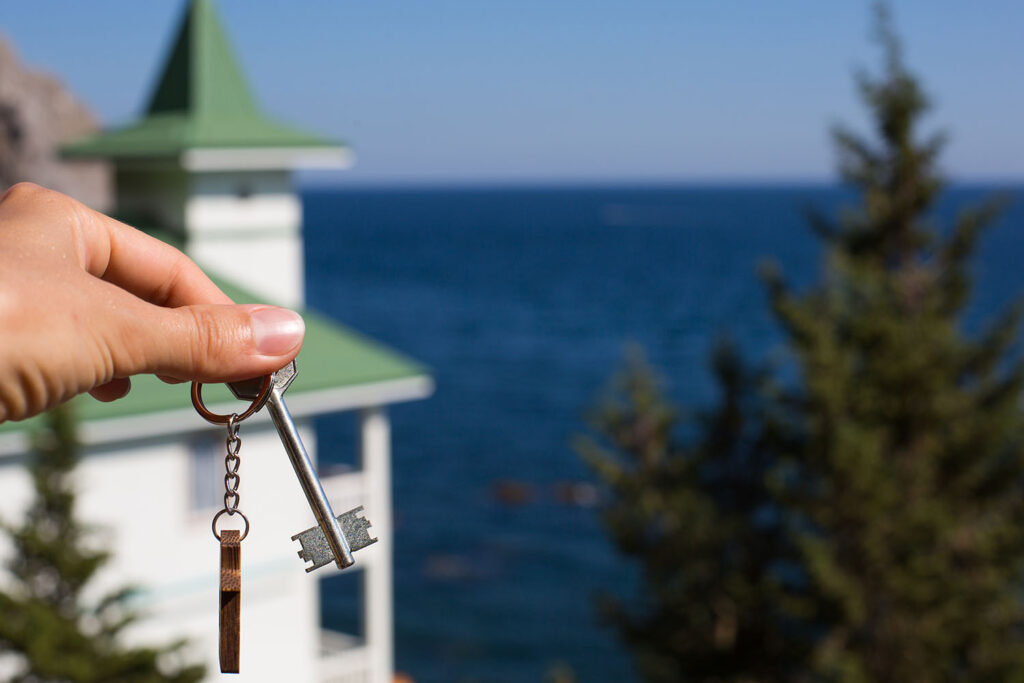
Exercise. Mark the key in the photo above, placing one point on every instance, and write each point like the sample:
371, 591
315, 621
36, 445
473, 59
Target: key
315, 548
334, 536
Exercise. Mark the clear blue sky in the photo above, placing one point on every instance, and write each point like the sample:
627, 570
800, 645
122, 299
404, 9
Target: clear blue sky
534, 90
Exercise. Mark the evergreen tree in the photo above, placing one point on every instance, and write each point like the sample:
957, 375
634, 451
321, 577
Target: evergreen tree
865, 522
901, 476
698, 517
44, 623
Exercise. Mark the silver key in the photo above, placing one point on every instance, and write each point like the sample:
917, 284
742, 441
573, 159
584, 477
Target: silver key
315, 548
334, 536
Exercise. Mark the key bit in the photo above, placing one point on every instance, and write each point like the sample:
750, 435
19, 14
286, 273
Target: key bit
334, 535
315, 548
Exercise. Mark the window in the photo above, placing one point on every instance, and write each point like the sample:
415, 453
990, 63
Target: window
207, 472
342, 604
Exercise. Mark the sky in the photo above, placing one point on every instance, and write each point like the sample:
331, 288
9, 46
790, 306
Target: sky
456, 91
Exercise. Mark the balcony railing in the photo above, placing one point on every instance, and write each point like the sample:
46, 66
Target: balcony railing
343, 658
344, 488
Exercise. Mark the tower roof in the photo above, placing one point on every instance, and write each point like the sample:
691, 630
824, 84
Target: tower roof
201, 100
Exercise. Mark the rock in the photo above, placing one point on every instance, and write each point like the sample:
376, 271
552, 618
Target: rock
512, 492
37, 115
579, 493
448, 567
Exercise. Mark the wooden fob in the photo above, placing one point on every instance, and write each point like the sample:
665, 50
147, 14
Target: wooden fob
230, 600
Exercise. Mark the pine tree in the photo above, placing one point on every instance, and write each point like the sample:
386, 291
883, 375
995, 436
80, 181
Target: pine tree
696, 513
46, 627
902, 473
863, 521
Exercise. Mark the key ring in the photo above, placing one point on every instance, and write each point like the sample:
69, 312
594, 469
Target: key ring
214, 418
225, 511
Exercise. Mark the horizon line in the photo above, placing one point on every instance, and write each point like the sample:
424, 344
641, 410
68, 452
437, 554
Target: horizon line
600, 183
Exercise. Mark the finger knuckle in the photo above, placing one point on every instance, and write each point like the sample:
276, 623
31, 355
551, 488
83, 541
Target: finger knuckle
27, 193
22, 191
212, 341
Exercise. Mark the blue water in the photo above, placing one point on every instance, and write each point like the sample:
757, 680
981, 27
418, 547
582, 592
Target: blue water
523, 301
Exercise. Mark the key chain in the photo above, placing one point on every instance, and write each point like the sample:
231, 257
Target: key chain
333, 540
230, 539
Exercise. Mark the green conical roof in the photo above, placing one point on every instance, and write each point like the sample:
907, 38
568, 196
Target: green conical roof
201, 74
201, 100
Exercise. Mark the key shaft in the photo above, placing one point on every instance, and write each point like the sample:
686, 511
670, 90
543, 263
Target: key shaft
311, 486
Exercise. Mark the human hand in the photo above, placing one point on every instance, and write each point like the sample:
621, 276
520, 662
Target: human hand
86, 302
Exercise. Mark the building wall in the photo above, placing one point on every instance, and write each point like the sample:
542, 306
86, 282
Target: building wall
151, 195
153, 502
242, 202
269, 266
246, 226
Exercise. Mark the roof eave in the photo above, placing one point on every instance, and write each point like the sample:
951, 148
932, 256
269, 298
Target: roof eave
167, 423
314, 156
320, 154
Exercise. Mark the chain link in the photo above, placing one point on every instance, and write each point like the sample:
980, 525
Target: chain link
233, 445
231, 478
231, 464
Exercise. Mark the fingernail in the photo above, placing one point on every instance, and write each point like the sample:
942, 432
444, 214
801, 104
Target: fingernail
276, 330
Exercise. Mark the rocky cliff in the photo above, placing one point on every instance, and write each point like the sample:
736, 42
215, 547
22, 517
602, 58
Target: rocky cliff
37, 114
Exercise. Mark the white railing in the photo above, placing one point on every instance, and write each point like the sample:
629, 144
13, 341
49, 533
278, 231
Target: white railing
343, 658
345, 490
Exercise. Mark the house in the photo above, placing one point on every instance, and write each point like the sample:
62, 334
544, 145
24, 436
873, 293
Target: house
207, 169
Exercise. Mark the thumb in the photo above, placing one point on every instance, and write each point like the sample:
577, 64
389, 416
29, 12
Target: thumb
217, 343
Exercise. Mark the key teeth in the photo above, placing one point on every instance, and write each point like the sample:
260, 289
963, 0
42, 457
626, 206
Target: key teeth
302, 556
356, 529
314, 544
314, 548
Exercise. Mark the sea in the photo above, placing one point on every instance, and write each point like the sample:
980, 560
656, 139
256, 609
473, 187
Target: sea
524, 302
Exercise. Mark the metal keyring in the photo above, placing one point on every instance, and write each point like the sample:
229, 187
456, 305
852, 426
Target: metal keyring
213, 526
214, 418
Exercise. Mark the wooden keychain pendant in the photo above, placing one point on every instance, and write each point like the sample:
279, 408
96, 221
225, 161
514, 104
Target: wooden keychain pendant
230, 539
230, 600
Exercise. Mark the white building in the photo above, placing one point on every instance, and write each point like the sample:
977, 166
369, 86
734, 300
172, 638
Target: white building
205, 168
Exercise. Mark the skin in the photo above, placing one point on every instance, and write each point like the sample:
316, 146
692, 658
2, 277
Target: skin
87, 301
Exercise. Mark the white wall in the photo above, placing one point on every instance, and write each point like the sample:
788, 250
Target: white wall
268, 266
140, 494
245, 226
241, 202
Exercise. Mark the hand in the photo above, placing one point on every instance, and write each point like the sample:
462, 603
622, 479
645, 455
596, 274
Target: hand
86, 302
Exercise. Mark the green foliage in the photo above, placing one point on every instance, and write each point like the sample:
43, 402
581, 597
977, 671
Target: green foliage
894, 465
46, 624
698, 518
903, 479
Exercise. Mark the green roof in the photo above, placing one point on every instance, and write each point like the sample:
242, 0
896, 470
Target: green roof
332, 356
201, 100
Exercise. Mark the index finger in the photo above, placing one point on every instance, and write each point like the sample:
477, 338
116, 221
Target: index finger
143, 265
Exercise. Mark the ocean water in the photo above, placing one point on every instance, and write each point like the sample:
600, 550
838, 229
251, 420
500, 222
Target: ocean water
524, 301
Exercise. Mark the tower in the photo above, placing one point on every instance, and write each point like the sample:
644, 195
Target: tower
205, 165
